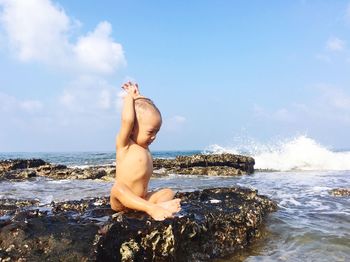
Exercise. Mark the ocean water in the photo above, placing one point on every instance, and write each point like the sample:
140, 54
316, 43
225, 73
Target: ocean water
310, 224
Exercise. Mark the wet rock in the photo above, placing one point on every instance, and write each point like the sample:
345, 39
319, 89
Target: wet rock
213, 223
340, 192
14, 164
19, 169
21, 174
25, 169
201, 164
212, 165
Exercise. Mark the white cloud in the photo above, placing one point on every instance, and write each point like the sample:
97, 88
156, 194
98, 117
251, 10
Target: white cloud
12, 105
323, 58
328, 105
335, 98
38, 30
179, 119
281, 114
89, 95
31, 105
98, 52
174, 123
335, 44
105, 99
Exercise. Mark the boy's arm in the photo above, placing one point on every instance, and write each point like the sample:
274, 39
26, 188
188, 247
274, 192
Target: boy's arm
128, 114
127, 123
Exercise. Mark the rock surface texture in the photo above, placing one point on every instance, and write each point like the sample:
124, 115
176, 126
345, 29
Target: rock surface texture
213, 223
340, 192
212, 165
201, 164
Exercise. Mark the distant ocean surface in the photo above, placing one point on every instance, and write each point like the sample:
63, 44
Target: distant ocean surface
310, 224
85, 159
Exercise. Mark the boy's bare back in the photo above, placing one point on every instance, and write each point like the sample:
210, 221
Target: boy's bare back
134, 161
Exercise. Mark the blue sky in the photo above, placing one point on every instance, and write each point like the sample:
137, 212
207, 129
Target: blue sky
217, 70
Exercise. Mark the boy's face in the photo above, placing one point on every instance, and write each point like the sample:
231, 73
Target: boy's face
146, 128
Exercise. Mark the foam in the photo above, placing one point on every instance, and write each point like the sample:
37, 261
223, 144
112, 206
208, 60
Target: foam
300, 153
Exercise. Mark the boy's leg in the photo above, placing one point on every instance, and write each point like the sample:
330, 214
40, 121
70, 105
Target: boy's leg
162, 195
165, 199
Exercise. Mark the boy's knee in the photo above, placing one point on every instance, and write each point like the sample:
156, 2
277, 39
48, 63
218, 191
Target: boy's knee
169, 192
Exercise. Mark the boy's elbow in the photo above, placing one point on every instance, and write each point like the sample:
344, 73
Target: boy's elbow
127, 121
119, 190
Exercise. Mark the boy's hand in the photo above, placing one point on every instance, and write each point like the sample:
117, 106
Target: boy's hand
132, 89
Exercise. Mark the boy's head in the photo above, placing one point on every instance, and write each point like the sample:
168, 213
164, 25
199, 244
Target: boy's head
148, 122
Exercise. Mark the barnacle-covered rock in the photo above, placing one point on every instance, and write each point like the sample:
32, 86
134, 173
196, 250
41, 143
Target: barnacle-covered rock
340, 192
200, 164
14, 164
22, 169
207, 164
213, 223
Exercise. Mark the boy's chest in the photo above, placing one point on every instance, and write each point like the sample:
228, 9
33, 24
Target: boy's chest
136, 158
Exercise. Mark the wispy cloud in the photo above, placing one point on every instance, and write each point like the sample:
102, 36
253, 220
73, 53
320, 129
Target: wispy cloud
12, 105
329, 104
280, 115
174, 123
323, 58
335, 44
89, 95
39, 30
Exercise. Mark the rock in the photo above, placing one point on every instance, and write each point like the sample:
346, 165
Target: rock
14, 164
18, 174
213, 223
340, 192
25, 169
212, 165
19, 169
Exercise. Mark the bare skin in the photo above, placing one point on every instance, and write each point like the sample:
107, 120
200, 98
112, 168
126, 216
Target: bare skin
135, 164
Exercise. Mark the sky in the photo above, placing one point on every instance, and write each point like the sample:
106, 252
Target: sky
217, 70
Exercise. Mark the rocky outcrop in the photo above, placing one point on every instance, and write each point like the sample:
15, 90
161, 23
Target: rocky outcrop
21, 169
212, 165
340, 192
201, 164
15, 164
213, 223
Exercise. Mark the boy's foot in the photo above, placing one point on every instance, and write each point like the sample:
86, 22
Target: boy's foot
171, 205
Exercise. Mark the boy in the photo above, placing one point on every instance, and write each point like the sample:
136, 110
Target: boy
141, 120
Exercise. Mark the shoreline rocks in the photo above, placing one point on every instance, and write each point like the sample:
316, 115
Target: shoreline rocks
212, 165
213, 223
340, 192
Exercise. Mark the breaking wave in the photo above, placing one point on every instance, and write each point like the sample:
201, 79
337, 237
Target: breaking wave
300, 153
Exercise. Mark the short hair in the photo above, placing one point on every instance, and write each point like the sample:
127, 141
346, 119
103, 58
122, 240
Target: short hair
143, 104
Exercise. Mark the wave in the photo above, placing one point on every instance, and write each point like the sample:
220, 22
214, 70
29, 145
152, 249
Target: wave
299, 153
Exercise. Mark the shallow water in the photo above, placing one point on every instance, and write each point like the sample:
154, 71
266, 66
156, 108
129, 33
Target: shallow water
310, 224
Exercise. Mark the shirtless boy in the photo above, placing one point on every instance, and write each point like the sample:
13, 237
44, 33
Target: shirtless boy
141, 120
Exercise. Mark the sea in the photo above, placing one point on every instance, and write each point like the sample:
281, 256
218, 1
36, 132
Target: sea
297, 173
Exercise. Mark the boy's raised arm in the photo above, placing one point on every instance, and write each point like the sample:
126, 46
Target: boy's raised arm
128, 114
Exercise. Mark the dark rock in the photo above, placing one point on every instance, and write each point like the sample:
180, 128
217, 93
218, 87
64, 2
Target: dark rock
212, 165
213, 223
201, 164
13, 164
25, 169
340, 192
20, 174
